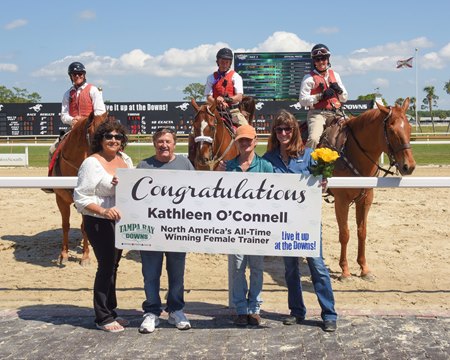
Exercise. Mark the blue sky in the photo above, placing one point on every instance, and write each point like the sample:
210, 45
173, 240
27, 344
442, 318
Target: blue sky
149, 51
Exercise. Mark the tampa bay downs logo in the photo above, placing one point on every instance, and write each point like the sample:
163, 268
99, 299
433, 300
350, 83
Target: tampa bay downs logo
136, 232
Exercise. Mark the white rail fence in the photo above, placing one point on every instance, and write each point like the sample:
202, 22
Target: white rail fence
69, 182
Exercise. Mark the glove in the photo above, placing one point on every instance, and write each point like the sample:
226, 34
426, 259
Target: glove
336, 88
328, 94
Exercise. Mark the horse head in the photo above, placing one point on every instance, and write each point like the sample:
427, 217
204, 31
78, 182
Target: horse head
397, 134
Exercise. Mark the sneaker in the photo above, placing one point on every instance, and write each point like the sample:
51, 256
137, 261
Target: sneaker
180, 320
254, 319
241, 320
329, 326
292, 320
150, 322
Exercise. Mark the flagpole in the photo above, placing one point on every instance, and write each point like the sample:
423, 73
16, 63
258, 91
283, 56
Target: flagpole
417, 89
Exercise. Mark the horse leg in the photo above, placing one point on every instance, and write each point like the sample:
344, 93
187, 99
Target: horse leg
64, 209
362, 211
85, 258
341, 208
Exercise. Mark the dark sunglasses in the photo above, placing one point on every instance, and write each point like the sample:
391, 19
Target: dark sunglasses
118, 137
320, 58
78, 74
280, 130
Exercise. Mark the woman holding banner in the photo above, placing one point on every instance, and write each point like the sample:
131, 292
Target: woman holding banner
287, 154
94, 197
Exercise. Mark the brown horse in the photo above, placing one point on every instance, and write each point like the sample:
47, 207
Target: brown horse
72, 150
385, 129
214, 141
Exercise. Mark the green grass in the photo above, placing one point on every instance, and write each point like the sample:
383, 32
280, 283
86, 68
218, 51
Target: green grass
424, 154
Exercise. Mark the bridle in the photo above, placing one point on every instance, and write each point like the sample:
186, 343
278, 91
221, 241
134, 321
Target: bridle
214, 157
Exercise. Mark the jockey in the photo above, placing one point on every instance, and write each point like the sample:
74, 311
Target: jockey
322, 91
82, 98
226, 87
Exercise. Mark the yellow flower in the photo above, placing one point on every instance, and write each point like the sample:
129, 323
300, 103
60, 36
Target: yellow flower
325, 159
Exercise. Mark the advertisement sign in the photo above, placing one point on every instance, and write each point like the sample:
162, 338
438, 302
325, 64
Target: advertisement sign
219, 212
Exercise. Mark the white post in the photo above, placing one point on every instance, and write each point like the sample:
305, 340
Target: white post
417, 87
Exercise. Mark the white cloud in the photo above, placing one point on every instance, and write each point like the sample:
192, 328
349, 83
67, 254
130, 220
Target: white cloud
381, 83
8, 67
16, 24
327, 30
87, 15
281, 41
445, 51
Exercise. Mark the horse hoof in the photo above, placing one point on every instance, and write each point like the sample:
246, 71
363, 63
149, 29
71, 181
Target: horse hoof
85, 262
344, 278
368, 277
63, 260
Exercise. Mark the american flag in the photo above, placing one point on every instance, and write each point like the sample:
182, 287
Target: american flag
408, 63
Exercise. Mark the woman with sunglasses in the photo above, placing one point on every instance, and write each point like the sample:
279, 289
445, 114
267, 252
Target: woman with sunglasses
323, 92
94, 198
287, 154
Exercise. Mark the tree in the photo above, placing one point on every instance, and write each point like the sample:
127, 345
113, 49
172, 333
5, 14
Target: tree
399, 101
194, 90
18, 95
447, 87
372, 96
429, 101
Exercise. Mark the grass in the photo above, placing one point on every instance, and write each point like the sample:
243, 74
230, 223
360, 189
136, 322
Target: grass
38, 156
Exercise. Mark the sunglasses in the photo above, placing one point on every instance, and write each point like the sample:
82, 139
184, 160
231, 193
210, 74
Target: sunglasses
118, 137
279, 130
78, 74
320, 58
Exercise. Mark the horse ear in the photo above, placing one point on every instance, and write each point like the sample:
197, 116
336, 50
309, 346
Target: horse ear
382, 108
194, 104
405, 105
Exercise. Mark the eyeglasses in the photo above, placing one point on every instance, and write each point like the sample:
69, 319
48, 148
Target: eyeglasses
320, 58
78, 74
118, 137
279, 130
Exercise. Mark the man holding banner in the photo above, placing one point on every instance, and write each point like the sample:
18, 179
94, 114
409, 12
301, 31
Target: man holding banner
164, 141
247, 301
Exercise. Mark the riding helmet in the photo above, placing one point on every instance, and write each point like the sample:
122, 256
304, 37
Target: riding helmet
320, 50
224, 53
76, 67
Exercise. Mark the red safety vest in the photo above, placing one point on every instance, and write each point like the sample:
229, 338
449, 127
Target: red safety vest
318, 89
81, 105
219, 89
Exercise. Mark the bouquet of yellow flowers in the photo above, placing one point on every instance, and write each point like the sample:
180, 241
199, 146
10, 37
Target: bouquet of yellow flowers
325, 158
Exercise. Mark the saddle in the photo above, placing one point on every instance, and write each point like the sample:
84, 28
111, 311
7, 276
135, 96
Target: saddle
335, 134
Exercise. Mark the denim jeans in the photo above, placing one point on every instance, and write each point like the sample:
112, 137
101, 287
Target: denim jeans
321, 282
151, 269
247, 301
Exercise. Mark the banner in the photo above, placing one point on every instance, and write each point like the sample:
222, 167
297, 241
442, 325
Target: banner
219, 212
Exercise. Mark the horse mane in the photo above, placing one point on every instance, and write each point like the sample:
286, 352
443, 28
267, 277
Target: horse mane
248, 108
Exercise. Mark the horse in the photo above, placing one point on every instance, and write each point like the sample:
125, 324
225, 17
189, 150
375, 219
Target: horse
214, 140
376, 131
71, 151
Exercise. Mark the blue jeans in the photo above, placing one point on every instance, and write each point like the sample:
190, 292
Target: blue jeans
151, 269
247, 301
321, 282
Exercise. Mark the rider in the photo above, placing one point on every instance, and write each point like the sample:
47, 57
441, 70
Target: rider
322, 91
225, 86
79, 101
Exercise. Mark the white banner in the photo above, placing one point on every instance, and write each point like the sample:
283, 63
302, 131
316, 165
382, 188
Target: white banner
219, 212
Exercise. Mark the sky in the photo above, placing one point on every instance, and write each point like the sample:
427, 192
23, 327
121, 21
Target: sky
142, 50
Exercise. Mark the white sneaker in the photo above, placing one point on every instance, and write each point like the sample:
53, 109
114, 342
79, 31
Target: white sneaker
178, 319
148, 325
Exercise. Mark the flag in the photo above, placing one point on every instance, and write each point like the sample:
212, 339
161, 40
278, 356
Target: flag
405, 63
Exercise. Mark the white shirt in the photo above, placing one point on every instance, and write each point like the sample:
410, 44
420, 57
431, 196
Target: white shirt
308, 100
238, 84
94, 185
97, 102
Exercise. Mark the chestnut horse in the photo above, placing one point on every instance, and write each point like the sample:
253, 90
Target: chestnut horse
376, 131
214, 140
71, 152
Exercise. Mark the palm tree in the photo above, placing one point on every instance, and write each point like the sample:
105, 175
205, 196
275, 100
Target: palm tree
430, 101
